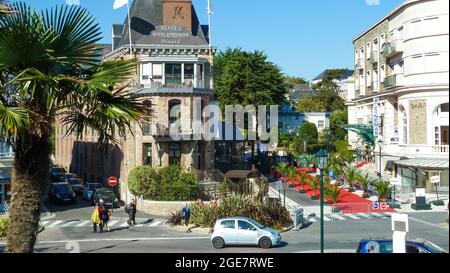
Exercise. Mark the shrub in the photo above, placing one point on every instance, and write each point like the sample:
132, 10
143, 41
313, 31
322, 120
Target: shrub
268, 214
174, 219
167, 184
4, 223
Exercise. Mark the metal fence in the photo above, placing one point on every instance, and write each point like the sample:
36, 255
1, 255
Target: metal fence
362, 210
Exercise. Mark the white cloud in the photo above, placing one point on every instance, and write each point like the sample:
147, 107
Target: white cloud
373, 2
73, 2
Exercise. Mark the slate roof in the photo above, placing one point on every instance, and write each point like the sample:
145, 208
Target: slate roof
146, 16
344, 76
301, 90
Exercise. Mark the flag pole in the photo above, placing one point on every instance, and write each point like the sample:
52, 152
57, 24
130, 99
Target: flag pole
129, 29
209, 28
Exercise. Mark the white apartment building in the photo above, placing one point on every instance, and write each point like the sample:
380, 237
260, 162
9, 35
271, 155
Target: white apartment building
401, 90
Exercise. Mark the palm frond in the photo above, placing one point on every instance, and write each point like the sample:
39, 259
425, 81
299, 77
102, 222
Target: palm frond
12, 120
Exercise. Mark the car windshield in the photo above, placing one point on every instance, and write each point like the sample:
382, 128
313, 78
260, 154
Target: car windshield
76, 182
105, 192
434, 248
64, 188
256, 224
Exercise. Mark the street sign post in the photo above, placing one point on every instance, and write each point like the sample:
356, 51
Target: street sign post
400, 226
112, 182
436, 180
395, 182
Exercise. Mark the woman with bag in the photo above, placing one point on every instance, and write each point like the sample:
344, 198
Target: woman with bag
106, 213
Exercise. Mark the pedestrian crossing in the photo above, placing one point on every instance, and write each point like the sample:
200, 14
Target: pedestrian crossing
349, 217
88, 224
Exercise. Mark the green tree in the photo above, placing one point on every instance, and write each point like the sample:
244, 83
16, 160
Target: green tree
337, 118
329, 91
309, 134
247, 78
295, 80
51, 67
308, 104
143, 180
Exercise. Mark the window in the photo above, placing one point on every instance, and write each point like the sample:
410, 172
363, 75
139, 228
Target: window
146, 71
146, 129
228, 224
320, 124
174, 153
147, 154
405, 128
243, 225
188, 72
173, 74
157, 71
444, 108
436, 136
174, 111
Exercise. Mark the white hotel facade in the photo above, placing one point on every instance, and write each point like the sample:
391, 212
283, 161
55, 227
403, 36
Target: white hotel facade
402, 90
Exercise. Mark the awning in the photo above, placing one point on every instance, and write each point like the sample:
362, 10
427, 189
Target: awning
242, 174
424, 163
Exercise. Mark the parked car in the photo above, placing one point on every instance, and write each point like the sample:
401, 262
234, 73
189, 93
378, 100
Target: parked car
77, 185
89, 190
243, 231
56, 173
105, 197
60, 193
386, 246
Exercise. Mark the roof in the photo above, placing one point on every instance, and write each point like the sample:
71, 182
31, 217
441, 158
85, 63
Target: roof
347, 73
424, 163
397, 9
242, 174
301, 90
146, 17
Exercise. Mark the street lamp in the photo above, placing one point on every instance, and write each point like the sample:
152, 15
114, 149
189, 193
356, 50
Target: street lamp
380, 142
322, 161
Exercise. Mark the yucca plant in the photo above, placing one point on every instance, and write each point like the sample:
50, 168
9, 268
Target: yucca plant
51, 68
350, 175
292, 174
314, 185
383, 189
276, 215
332, 192
282, 168
174, 219
304, 178
204, 216
365, 181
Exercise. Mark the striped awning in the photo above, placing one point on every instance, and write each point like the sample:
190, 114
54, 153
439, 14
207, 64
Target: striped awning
424, 163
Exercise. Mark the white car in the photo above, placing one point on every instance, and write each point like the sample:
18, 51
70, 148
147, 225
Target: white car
243, 231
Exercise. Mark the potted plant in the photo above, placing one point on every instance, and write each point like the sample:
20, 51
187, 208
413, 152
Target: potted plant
304, 178
350, 175
314, 184
282, 168
364, 182
292, 173
333, 192
383, 190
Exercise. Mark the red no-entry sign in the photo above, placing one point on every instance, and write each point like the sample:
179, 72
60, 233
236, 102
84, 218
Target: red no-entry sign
112, 181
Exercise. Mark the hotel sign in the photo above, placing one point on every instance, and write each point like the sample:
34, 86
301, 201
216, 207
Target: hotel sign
171, 35
376, 118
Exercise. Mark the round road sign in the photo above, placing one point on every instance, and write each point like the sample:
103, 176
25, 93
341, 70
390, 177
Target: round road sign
112, 181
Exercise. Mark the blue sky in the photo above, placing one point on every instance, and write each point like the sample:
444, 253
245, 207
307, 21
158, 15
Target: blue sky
303, 37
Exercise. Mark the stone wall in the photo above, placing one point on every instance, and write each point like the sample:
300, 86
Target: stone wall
418, 121
161, 208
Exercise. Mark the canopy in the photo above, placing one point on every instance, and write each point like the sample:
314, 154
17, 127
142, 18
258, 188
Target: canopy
424, 163
364, 131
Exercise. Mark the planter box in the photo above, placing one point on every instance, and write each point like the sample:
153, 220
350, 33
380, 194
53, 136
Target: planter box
366, 196
421, 206
313, 197
301, 191
438, 203
291, 185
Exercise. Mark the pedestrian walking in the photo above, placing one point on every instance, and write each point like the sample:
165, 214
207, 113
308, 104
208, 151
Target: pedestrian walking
100, 213
106, 214
186, 215
95, 218
131, 210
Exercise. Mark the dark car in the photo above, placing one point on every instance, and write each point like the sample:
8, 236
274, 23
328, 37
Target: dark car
386, 246
77, 185
56, 173
61, 193
89, 190
105, 197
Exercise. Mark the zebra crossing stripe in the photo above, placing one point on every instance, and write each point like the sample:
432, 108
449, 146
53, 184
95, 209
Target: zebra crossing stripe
377, 214
352, 216
154, 223
54, 224
312, 220
70, 223
387, 214
112, 223
339, 217
364, 215
44, 222
125, 224
326, 218
83, 223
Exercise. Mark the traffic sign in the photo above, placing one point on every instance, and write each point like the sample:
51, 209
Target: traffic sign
435, 179
112, 181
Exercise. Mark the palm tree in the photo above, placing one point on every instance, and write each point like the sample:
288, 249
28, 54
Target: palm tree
383, 190
364, 182
350, 174
332, 192
314, 184
282, 168
51, 68
304, 179
292, 173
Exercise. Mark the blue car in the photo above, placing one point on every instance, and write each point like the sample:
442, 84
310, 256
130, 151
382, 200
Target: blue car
385, 246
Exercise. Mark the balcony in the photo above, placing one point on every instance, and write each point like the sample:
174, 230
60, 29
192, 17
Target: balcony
374, 57
390, 82
359, 64
162, 130
424, 150
173, 84
391, 50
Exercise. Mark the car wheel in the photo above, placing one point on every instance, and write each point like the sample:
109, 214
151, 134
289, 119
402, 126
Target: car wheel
218, 243
265, 243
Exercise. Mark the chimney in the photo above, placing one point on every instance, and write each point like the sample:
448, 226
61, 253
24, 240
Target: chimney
178, 13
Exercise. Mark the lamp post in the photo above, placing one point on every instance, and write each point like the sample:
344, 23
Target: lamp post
380, 142
322, 161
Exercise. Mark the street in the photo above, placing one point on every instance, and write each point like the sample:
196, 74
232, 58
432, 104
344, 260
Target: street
69, 230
